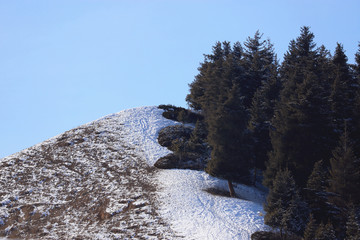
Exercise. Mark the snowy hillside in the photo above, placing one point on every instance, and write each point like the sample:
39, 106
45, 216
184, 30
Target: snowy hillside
97, 181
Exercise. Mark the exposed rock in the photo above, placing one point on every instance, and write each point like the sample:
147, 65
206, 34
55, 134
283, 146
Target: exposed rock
169, 134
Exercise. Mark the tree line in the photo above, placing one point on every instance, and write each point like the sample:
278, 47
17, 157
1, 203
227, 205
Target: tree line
297, 122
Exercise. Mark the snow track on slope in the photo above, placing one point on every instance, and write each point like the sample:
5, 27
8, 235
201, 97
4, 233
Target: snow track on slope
141, 127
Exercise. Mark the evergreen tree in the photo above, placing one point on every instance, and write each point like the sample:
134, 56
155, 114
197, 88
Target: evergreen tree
259, 62
356, 125
352, 226
227, 137
318, 178
205, 89
222, 71
284, 208
357, 63
217, 92
344, 181
198, 137
299, 130
260, 90
356, 110
343, 90
325, 232
310, 230
261, 112
316, 194
345, 174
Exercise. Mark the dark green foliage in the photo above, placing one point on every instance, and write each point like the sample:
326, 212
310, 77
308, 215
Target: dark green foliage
217, 73
325, 232
180, 114
343, 90
356, 111
352, 226
310, 230
263, 235
355, 133
344, 181
284, 208
259, 64
288, 117
355, 68
316, 193
217, 92
197, 141
357, 61
186, 154
300, 131
318, 178
231, 76
249, 68
345, 174
261, 67
261, 112
227, 137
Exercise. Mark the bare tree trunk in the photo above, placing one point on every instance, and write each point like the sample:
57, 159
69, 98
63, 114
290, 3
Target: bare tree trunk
231, 189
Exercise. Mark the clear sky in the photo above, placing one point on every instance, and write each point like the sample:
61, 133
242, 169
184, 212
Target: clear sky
64, 63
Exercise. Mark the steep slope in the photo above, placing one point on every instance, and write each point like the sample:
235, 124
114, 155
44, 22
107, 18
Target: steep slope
97, 181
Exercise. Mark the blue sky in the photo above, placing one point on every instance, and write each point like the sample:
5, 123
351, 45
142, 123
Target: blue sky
64, 63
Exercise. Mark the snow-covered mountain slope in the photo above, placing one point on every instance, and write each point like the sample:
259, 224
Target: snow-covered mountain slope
97, 182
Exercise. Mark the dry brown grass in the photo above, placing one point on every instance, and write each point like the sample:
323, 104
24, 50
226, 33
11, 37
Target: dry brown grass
82, 184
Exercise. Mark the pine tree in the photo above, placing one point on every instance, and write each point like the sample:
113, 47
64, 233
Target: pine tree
345, 173
197, 137
259, 61
352, 226
356, 110
213, 91
316, 194
227, 137
344, 181
356, 124
310, 230
205, 89
325, 232
357, 63
261, 112
217, 92
299, 129
343, 90
284, 208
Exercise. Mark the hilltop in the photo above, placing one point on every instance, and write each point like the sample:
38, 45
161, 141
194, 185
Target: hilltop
98, 181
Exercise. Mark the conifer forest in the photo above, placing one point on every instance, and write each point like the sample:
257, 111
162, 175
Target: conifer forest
290, 127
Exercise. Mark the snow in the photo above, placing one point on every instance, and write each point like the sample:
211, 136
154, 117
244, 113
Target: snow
141, 126
191, 211
106, 159
199, 215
